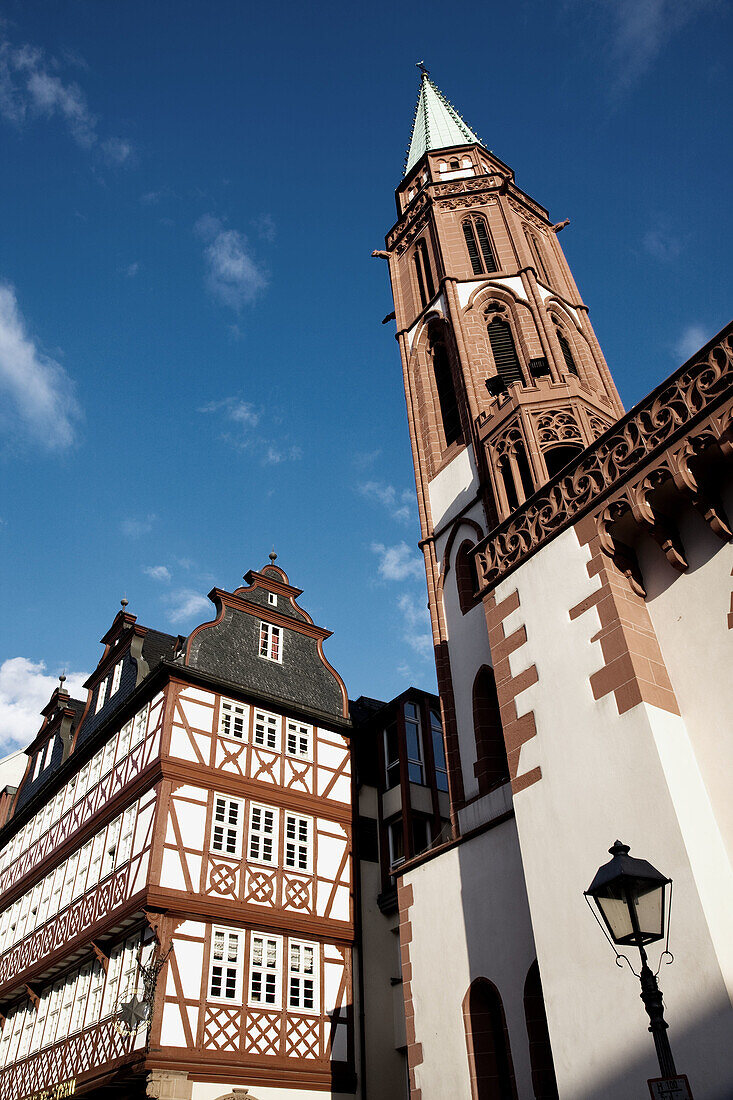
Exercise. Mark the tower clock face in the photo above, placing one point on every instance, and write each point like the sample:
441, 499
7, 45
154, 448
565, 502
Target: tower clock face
132, 1016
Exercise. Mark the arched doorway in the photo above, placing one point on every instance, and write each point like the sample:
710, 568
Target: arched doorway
487, 1042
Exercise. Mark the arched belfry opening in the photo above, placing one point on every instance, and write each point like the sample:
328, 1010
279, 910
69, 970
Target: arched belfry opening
445, 387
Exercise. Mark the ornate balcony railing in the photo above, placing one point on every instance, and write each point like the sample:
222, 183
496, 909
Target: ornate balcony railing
677, 421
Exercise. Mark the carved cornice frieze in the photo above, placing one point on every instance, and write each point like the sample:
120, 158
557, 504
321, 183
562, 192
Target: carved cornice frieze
657, 441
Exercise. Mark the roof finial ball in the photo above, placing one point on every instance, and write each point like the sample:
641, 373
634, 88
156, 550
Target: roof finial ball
62, 681
272, 556
124, 602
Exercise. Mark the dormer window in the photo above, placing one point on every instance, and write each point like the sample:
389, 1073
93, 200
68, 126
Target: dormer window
101, 696
116, 677
271, 642
49, 753
272, 599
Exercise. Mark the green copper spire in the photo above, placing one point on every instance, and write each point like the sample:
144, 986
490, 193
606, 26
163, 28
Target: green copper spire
437, 124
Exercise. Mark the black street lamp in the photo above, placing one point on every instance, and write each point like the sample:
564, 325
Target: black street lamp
631, 896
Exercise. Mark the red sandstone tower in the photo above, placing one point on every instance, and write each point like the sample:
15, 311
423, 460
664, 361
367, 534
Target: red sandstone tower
504, 378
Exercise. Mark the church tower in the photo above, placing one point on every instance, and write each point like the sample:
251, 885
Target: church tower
505, 384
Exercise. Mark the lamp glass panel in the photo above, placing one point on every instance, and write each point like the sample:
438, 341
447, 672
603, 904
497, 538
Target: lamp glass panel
616, 914
650, 913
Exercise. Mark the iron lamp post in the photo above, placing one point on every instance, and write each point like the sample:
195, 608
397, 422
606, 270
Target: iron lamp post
633, 900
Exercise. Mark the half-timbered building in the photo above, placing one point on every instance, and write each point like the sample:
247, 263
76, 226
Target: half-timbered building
177, 902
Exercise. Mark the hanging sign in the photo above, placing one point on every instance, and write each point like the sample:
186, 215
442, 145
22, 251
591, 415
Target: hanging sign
670, 1088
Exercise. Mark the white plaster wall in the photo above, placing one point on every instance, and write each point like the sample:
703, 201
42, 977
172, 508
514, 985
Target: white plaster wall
468, 650
12, 769
690, 616
385, 1070
452, 488
469, 919
606, 775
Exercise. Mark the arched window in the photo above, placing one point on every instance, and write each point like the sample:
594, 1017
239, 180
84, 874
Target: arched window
447, 399
566, 352
466, 576
424, 274
504, 350
525, 474
540, 1051
487, 1043
491, 767
454, 165
505, 469
478, 243
558, 457
534, 248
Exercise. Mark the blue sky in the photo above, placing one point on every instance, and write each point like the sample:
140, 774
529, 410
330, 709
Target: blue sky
192, 365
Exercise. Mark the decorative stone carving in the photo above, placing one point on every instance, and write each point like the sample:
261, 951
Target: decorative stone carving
557, 426
654, 442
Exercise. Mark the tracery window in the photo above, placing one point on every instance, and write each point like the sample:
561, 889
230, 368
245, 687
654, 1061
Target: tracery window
503, 347
478, 243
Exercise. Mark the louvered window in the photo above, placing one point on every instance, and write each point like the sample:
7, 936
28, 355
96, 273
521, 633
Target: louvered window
567, 353
446, 393
425, 283
479, 247
504, 351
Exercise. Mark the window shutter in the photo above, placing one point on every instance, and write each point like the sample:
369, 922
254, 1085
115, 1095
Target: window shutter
468, 233
485, 243
504, 351
567, 353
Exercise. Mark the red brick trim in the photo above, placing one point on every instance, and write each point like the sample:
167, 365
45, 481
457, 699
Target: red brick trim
518, 728
405, 898
633, 668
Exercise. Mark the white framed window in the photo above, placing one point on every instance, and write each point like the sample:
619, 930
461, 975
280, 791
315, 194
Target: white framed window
138, 726
272, 599
129, 979
266, 730
95, 861
124, 850
67, 1004
226, 830
226, 965
303, 976
110, 847
95, 769
262, 834
70, 874
123, 744
101, 696
108, 757
94, 1001
116, 677
114, 968
265, 970
84, 857
271, 642
80, 998
37, 768
413, 738
81, 787
233, 719
298, 843
299, 740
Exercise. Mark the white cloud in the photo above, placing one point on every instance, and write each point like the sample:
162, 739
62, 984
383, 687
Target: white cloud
232, 275
117, 152
26, 687
31, 87
641, 30
186, 604
399, 504
157, 572
246, 417
691, 340
416, 624
131, 270
38, 395
398, 562
133, 528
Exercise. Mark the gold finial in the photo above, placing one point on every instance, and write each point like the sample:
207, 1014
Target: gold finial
272, 556
124, 602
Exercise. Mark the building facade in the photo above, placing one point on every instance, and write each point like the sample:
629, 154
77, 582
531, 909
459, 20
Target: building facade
180, 846
578, 566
